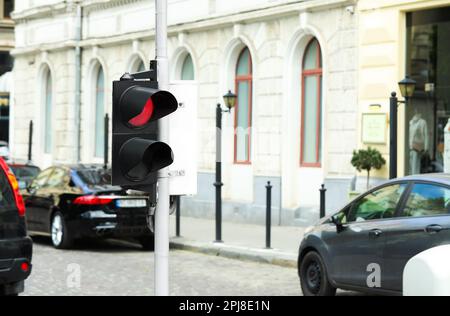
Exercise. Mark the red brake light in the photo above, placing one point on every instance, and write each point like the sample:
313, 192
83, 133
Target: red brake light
145, 116
92, 200
25, 267
15, 187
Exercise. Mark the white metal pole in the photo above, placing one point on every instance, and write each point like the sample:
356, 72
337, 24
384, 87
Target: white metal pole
162, 210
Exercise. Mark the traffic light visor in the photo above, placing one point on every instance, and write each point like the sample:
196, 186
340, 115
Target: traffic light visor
141, 105
141, 157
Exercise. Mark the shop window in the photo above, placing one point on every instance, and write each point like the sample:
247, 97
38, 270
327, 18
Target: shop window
311, 122
7, 6
427, 113
243, 113
6, 63
4, 116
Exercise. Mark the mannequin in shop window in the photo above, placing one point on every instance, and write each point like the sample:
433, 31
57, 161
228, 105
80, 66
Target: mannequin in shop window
418, 142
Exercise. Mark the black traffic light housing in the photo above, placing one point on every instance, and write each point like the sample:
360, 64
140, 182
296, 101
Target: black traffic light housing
138, 104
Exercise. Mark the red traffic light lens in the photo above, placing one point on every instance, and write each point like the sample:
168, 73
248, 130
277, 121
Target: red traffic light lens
144, 117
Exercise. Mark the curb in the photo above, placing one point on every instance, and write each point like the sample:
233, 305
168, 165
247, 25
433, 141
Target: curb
266, 256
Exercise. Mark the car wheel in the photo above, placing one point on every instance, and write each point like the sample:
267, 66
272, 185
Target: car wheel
313, 276
148, 243
61, 238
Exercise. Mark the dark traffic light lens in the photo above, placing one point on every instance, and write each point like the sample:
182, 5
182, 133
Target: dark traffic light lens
141, 157
144, 117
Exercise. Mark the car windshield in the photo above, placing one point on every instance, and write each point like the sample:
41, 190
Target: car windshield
25, 171
94, 177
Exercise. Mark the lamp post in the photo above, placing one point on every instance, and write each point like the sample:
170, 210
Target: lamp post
230, 103
407, 87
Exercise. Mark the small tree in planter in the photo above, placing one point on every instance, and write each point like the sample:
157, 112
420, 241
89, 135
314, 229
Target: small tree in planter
367, 160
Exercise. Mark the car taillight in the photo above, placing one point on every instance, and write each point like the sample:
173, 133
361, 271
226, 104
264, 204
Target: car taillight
25, 267
92, 200
15, 187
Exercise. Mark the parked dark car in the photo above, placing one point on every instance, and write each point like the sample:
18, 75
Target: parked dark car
24, 172
73, 202
385, 227
15, 245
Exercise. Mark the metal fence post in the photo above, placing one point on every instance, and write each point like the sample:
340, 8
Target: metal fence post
322, 201
30, 142
106, 144
268, 215
178, 217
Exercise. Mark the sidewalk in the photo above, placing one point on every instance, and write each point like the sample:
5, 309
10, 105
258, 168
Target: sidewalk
241, 241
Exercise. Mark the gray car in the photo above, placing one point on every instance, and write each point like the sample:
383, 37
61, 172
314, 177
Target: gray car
366, 246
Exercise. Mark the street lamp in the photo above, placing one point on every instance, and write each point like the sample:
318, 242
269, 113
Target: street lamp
230, 102
407, 87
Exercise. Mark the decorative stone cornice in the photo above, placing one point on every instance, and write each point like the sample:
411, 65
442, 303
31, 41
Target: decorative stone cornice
40, 12
97, 5
67, 6
212, 22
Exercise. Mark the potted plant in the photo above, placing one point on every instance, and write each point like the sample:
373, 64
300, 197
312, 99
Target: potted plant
368, 159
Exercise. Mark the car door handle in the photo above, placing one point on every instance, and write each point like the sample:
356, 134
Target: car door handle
433, 229
375, 233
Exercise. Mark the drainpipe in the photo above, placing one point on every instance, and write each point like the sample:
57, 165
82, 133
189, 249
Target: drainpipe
77, 101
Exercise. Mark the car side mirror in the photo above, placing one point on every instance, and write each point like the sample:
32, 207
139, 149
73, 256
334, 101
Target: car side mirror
31, 190
337, 222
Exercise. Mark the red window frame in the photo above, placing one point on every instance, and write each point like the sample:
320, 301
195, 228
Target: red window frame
249, 79
318, 73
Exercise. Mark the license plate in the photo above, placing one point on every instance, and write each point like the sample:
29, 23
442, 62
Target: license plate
131, 203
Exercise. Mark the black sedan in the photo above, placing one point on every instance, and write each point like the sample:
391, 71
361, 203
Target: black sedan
70, 203
366, 246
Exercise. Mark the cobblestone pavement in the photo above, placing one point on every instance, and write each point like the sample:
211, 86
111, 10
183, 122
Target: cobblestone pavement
118, 268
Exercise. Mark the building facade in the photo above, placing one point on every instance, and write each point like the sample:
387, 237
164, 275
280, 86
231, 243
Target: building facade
293, 65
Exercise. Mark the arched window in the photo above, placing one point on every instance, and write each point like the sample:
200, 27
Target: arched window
48, 100
311, 128
243, 113
100, 114
141, 66
187, 70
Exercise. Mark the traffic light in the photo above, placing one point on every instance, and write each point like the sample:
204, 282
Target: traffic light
137, 153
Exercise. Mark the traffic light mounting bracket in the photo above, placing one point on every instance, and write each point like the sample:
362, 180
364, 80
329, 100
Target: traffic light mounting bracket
151, 74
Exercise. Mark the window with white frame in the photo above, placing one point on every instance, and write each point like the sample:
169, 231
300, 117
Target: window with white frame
187, 70
99, 151
48, 109
140, 66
